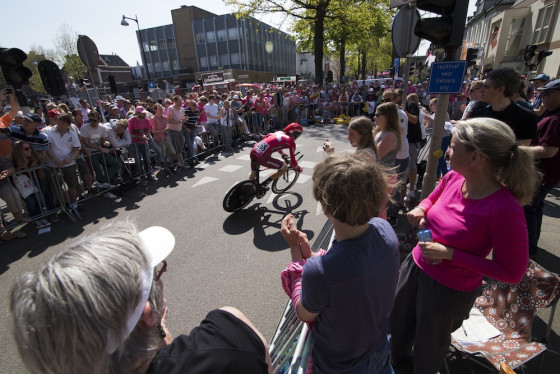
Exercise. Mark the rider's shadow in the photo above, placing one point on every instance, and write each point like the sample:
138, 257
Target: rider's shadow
261, 219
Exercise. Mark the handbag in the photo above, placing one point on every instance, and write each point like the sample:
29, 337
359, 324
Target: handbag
24, 185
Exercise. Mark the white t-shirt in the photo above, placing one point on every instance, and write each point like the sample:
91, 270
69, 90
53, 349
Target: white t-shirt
211, 112
94, 136
403, 122
61, 145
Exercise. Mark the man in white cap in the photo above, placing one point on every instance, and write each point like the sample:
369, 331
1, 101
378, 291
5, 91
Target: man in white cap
97, 307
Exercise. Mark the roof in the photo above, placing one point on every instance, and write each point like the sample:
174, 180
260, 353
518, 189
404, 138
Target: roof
112, 60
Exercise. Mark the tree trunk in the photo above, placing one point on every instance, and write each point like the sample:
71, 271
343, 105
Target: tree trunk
364, 67
342, 58
319, 40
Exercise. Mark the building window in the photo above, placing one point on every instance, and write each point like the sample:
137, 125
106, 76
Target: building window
210, 37
146, 47
221, 35
200, 38
162, 44
165, 66
235, 59
213, 60
543, 21
204, 62
153, 46
232, 33
157, 66
170, 43
514, 37
224, 60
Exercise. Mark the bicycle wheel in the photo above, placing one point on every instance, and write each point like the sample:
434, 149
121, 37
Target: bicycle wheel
239, 196
286, 181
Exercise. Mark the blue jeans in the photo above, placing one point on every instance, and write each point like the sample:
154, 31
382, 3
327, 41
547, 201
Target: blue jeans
377, 363
534, 214
143, 152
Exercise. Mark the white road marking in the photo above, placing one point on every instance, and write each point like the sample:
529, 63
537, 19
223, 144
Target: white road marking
230, 168
307, 164
319, 209
303, 178
205, 180
244, 158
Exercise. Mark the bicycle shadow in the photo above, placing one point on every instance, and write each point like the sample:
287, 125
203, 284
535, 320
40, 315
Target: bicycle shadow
266, 222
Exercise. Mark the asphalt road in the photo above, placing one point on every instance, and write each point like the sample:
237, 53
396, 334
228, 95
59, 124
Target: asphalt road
219, 259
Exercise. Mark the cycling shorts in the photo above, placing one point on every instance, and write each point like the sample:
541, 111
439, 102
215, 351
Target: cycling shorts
265, 160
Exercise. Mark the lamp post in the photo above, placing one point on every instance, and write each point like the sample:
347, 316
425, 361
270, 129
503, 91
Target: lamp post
125, 23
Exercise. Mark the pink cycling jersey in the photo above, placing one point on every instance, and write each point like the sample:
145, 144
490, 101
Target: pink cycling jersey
275, 142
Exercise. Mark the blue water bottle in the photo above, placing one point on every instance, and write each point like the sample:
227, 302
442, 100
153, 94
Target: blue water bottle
426, 236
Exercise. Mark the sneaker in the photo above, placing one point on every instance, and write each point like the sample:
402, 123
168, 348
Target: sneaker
38, 224
104, 185
110, 195
45, 222
393, 221
409, 196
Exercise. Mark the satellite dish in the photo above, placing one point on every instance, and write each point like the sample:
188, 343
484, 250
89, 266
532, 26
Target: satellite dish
88, 52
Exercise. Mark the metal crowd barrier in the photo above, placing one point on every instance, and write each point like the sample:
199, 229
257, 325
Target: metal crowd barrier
50, 196
291, 345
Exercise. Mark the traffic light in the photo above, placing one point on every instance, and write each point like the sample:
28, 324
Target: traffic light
298, 77
529, 53
392, 72
51, 78
11, 61
200, 83
542, 55
445, 31
472, 54
411, 72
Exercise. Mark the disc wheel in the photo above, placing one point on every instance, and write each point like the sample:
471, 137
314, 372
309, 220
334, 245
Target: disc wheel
239, 196
285, 182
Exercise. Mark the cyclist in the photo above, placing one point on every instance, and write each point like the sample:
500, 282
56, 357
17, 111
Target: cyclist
261, 154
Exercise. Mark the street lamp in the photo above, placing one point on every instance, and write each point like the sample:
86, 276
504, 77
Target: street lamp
125, 23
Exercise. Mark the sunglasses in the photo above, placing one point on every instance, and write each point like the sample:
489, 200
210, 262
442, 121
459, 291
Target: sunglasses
159, 270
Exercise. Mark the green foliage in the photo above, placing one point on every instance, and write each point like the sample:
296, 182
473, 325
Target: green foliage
66, 52
33, 58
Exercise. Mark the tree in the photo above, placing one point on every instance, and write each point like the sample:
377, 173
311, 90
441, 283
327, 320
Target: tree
351, 29
315, 11
66, 52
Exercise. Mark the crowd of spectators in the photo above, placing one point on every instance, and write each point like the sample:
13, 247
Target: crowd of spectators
485, 201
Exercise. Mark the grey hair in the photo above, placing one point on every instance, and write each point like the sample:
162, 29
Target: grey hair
62, 313
512, 165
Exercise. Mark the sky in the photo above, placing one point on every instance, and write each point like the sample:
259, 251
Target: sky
35, 22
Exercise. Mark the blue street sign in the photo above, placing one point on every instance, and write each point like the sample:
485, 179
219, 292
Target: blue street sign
396, 62
151, 85
447, 77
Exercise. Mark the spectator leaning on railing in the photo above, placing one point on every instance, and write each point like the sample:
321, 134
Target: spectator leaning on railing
347, 293
64, 148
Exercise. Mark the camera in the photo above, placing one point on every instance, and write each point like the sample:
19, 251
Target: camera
8, 91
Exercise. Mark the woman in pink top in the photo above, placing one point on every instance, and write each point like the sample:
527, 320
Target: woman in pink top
175, 118
476, 209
